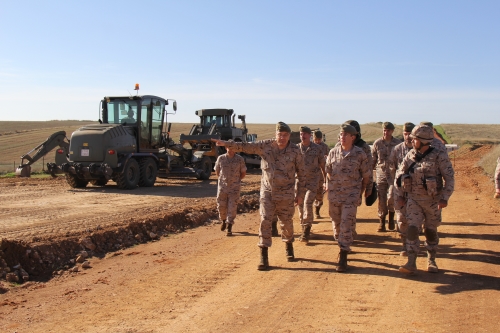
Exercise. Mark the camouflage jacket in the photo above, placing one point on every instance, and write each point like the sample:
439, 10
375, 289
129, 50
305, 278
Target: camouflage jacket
347, 175
279, 167
396, 158
497, 175
229, 170
368, 151
381, 152
434, 165
324, 148
314, 161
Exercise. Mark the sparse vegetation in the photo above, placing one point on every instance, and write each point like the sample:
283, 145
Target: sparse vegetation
489, 161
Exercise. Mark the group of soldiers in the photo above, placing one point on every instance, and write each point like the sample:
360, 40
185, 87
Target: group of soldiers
414, 180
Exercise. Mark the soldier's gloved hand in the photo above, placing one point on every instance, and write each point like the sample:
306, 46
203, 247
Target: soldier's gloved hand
401, 202
218, 142
442, 204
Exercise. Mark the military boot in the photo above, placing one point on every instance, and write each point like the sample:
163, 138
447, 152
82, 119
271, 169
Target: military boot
317, 212
289, 252
342, 258
223, 225
274, 229
411, 266
229, 229
391, 220
264, 259
431, 262
403, 252
381, 226
306, 231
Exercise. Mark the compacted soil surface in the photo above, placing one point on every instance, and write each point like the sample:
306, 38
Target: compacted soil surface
169, 268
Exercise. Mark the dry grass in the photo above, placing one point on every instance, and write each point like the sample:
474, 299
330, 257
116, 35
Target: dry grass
17, 138
489, 161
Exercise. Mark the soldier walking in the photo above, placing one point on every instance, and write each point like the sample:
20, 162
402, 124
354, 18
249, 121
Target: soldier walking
231, 169
395, 160
426, 176
348, 175
281, 164
382, 149
314, 164
318, 202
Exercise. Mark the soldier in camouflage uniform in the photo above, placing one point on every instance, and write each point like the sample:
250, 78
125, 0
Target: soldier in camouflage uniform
427, 177
282, 163
381, 151
436, 143
318, 202
497, 180
231, 169
395, 160
348, 174
314, 163
366, 148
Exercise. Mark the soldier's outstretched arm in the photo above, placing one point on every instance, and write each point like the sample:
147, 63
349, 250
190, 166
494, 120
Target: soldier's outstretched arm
246, 147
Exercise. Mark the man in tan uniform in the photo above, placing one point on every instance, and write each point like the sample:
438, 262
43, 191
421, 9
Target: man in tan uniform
381, 150
314, 163
318, 202
348, 175
282, 163
497, 180
231, 169
426, 176
395, 160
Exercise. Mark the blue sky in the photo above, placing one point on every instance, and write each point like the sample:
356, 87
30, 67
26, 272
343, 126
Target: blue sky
292, 61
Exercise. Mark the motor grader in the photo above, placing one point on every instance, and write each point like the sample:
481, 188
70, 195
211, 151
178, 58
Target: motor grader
129, 146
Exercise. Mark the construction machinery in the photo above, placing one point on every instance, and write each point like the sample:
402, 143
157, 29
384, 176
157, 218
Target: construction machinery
219, 124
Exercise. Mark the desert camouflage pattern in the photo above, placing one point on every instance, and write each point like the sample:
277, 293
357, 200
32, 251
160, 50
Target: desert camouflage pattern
348, 176
314, 162
280, 169
343, 219
436, 143
395, 160
229, 184
382, 151
497, 175
368, 151
324, 148
422, 207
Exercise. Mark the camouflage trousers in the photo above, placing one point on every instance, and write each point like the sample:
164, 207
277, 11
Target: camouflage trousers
426, 212
343, 219
306, 209
385, 194
284, 210
401, 220
318, 201
227, 205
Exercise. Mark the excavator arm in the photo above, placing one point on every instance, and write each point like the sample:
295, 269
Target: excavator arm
53, 141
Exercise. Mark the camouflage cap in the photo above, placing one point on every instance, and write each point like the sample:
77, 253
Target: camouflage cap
408, 127
388, 125
318, 134
354, 124
348, 129
423, 133
282, 127
305, 129
426, 123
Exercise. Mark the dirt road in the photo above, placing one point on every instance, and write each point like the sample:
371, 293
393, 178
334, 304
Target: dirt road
202, 281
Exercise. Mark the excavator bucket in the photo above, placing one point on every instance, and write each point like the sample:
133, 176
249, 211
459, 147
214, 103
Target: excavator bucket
23, 171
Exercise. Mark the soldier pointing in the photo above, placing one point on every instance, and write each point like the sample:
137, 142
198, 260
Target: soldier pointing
282, 162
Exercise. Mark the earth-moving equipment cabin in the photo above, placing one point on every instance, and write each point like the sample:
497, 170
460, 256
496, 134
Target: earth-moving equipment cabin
219, 123
129, 146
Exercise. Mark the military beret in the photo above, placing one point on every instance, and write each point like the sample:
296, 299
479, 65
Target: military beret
305, 129
348, 129
426, 123
388, 125
408, 127
318, 134
355, 124
282, 127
